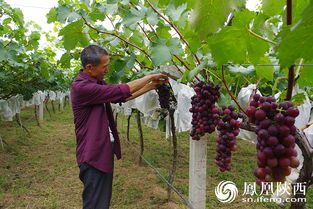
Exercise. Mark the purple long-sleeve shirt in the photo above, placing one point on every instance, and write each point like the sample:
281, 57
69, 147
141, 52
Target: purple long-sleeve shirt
92, 120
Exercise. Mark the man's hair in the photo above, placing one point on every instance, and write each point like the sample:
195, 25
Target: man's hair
92, 55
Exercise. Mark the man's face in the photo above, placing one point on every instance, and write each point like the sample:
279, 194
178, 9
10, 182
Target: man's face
99, 71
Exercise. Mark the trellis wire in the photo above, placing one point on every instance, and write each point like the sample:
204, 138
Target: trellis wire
187, 202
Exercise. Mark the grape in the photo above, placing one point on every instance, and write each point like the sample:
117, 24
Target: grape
259, 115
284, 162
228, 127
294, 162
260, 173
272, 141
261, 157
251, 111
294, 112
256, 97
272, 130
205, 114
288, 141
265, 123
164, 95
272, 162
284, 130
276, 141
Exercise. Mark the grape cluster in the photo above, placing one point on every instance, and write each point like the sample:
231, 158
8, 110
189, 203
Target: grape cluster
204, 111
228, 127
164, 95
276, 142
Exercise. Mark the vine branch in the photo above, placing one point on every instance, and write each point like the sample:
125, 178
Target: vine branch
117, 36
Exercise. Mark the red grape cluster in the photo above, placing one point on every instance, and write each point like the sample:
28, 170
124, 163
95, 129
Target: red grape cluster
204, 111
164, 95
228, 127
276, 142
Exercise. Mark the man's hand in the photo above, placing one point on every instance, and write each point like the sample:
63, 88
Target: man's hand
157, 80
159, 77
152, 82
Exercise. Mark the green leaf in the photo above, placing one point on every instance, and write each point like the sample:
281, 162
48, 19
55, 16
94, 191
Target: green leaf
212, 13
72, 35
271, 8
226, 100
266, 72
152, 17
52, 15
306, 76
175, 46
163, 32
175, 13
297, 9
4, 54
236, 44
243, 18
115, 42
120, 66
65, 60
196, 71
160, 53
133, 17
111, 8
18, 16
7, 21
298, 99
297, 40
64, 13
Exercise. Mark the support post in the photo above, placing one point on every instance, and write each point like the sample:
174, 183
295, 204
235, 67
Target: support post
197, 173
41, 112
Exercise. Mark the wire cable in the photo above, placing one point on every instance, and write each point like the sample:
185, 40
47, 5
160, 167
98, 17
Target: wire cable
187, 202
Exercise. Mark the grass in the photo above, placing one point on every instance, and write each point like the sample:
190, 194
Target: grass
40, 171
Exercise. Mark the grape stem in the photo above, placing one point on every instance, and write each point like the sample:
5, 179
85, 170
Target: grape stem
254, 91
261, 37
174, 27
229, 92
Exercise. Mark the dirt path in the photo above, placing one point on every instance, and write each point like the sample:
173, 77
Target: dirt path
41, 172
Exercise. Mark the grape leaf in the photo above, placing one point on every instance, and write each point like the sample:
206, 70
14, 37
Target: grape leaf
65, 60
64, 13
152, 17
175, 46
266, 72
271, 8
52, 15
306, 77
133, 17
160, 52
212, 13
72, 35
175, 13
234, 43
297, 40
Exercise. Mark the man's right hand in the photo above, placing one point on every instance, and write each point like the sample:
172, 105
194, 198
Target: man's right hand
159, 77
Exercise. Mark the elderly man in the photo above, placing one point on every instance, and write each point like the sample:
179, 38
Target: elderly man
96, 134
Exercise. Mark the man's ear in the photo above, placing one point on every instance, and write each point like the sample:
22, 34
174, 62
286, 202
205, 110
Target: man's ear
88, 68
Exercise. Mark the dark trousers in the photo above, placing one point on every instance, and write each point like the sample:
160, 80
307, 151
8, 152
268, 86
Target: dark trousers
97, 187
